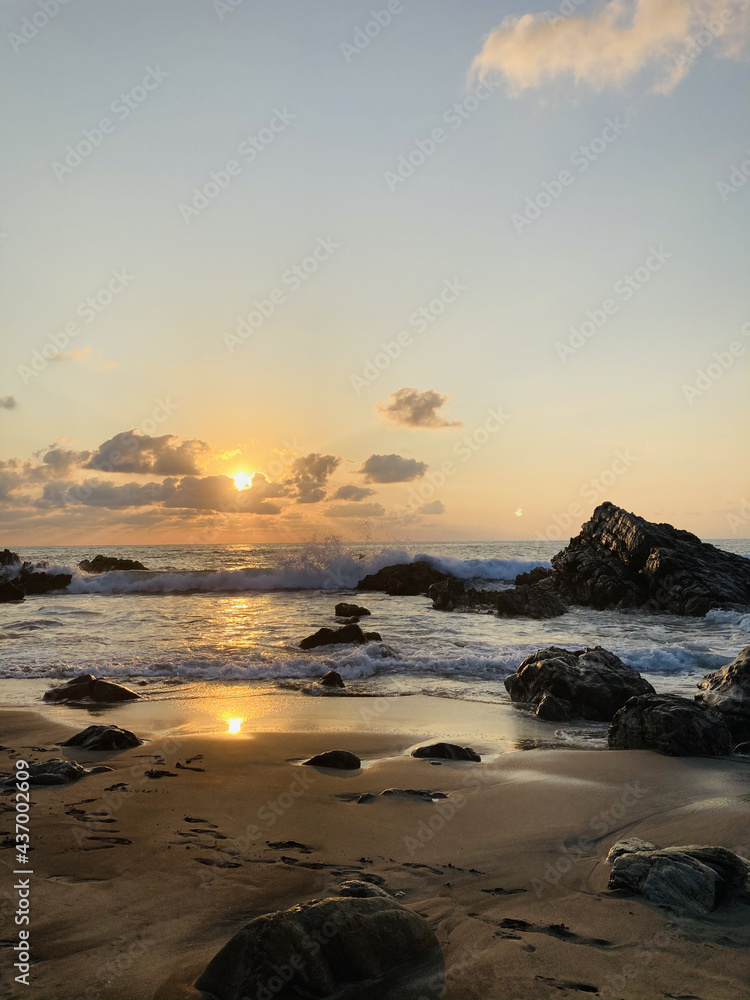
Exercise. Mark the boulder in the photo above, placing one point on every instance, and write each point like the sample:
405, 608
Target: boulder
344, 610
332, 679
86, 687
670, 724
694, 880
11, 590
451, 594
728, 691
37, 580
8, 558
537, 601
631, 845
446, 751
106, 564
533, 576
595, 682
620, 560
342, 760
553, 709
404, 579
362, 890
332, 636
60, 772
323, 947
103, 738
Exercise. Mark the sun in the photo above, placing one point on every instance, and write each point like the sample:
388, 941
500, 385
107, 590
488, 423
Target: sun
243, 480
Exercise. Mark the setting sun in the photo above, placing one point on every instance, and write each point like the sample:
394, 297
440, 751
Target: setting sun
243, 480
234, 725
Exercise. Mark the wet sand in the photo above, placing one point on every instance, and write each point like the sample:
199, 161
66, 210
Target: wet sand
138, 881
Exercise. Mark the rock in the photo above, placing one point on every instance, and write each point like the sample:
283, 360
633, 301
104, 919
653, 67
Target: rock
331, 636
742, 748
362, 890
671, 725
446, 751
343, 760
450, 594
103, 738
620, 560
629, 846
344, 610
537, 601
332, 679
36, 579
11, 590
692, 879
553, 709
60, 772
404, 579
8, 558
86, 687
728, 691
105, 564
535, 575
415, 793
323, 947
595, 682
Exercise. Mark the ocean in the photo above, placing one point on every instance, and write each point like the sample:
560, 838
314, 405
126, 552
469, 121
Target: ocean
237, 612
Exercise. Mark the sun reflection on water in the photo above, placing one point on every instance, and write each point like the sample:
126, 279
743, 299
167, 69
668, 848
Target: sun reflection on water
234, 725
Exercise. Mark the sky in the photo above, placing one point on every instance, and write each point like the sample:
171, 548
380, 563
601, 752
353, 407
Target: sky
410, 269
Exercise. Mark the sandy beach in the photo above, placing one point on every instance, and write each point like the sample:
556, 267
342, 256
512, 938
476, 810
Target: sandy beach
138, 881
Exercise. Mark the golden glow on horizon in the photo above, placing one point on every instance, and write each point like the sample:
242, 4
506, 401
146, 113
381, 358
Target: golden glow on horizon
243, 480
234, 725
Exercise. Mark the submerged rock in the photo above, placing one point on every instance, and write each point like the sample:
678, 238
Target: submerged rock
103, 738
446, 751
404, 579
344, 610
423, 794
728, 691
323, 947
106, 564
691, 879
594, 682
671, 725
60, 772
620, 560
332, 636
87, 687
342, 760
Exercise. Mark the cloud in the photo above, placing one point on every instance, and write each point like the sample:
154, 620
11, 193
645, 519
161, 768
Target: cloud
412, 408
435, 507
87, 354
8, 402
356, 510
608, 47
133, 452
392, 469
57, 463
309, 475
350, 492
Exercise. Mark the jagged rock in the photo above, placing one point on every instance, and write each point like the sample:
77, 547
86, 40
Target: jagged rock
535, 575
342, 760
60, 772
368, 940
554, 709
446, 751
620, 560
36, 580
404, 579
362, 890
11, 590
103, 738
105, 564
728, 691
691, 879
332, 679
8, 558
595, 682
631, 845
537, 601
86, 687
344, 610
671, 725
331, 636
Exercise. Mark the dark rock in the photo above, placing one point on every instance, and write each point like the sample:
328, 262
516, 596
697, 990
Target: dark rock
691, 879
620, 560
106, 564
446, 751
595, 682
36, 580
60, 772
86, 687
554, 709
631, 845
671, 725
404, 579
415, 793
451, 594
331, 636
8, 558
728, 691
362, 890
332, 679
343, 760
11, 590
368, 940
742, 748
538, 601
344, 610
103, 738
535, 575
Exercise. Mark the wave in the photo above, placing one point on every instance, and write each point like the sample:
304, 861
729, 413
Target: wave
740, 619
673, 660
309, 570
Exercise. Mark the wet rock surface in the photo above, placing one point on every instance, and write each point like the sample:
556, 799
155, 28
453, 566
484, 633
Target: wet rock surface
671, 725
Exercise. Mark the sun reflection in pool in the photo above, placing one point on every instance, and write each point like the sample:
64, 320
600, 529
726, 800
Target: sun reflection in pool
234, 725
